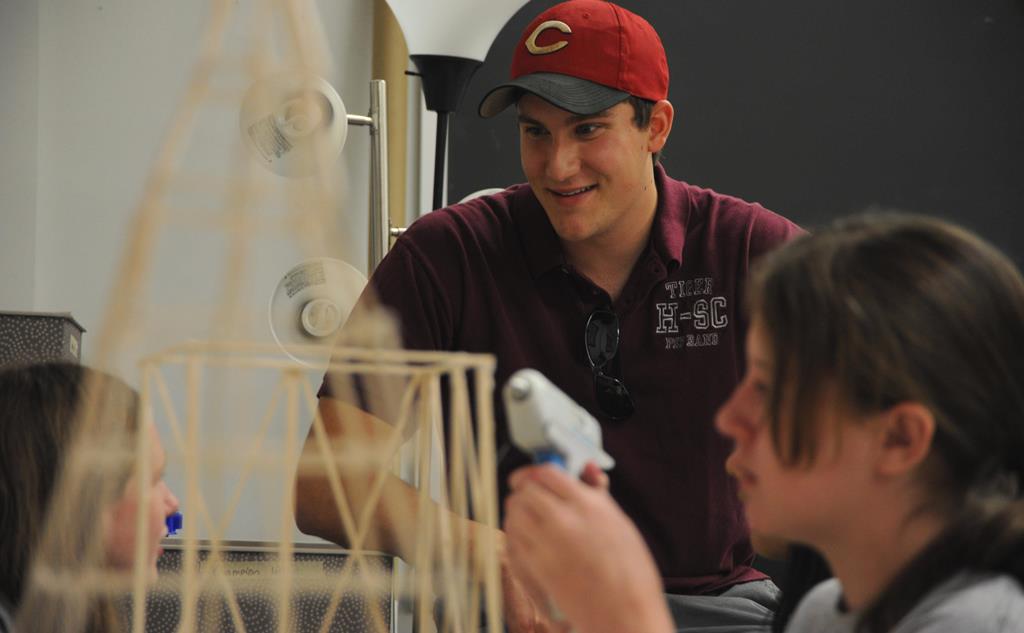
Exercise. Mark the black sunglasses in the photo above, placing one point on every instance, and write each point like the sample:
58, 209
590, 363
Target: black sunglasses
602, 343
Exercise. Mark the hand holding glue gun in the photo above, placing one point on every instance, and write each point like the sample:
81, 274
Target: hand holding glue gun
549, 425
568, 542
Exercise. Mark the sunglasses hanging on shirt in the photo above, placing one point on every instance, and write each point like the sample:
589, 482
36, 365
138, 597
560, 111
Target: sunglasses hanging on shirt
602, 343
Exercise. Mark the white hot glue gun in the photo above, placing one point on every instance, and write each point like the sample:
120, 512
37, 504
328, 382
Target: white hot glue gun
550, 426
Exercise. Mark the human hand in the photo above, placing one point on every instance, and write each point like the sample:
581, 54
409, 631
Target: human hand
526, 608
569, 540
593, 475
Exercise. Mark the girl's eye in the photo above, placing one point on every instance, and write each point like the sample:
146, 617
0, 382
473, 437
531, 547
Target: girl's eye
586, 129
533, 131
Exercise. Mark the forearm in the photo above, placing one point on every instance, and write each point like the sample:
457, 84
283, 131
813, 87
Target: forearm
384, 512
388, 526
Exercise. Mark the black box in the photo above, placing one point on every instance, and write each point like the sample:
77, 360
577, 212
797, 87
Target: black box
33, 337
257, 601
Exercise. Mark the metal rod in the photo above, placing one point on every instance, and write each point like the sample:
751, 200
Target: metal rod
380, 217
356, 119
439, 158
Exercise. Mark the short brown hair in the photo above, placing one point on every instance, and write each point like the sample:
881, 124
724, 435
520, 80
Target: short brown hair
642, 109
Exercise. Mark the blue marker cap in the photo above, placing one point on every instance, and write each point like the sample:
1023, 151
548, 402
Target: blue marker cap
173, 523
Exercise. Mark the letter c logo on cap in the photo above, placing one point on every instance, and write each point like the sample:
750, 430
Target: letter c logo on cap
531, 42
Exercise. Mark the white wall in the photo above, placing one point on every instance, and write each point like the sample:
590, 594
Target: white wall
18, 150
97, 86
111, 75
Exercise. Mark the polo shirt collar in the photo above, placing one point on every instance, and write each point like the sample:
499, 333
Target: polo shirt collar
544, 250
669, 231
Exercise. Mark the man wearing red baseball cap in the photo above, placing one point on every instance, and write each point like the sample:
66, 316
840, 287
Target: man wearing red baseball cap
584, 57
619, 283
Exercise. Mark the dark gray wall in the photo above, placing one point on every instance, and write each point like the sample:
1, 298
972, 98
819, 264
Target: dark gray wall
819, 109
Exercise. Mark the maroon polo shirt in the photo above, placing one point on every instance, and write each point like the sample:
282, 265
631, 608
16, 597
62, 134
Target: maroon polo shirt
490, 276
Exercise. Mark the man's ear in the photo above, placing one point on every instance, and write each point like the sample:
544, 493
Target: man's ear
905, 437
661, 124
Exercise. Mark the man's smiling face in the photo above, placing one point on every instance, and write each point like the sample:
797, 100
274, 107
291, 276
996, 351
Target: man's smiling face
592, 174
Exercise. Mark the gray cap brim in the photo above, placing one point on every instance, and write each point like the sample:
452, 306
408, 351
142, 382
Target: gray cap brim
576, 95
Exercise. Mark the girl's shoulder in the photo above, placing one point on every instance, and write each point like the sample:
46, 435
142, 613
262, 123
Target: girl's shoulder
821, 610
974, 602
6, 618
982, 602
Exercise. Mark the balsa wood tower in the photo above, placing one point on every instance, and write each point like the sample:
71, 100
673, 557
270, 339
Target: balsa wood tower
192, 388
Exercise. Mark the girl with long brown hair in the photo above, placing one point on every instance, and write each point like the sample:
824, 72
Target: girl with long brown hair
70, 487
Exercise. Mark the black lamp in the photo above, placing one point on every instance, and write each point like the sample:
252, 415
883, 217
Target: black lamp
448, 40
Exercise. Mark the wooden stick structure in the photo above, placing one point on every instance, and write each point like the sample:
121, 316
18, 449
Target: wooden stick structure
416, 395
444, 567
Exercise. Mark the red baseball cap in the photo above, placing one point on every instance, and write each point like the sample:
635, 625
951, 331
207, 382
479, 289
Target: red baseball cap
584, 56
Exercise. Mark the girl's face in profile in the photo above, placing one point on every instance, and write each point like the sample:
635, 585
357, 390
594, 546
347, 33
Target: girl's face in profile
806, 501
122, 516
